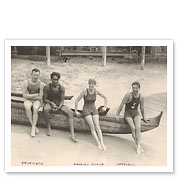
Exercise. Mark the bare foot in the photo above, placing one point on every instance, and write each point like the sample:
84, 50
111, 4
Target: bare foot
99, 147
36, 130
74, 139
141, 149
49, 131
104, 147
33, 132
138, 150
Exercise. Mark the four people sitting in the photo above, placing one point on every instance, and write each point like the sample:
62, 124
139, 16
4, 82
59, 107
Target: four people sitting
52, 95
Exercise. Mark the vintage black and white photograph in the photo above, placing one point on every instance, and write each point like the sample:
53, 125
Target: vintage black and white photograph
89, 104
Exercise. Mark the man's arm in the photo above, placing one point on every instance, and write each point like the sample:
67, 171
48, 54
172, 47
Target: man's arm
62, 97
142, 109
40, 96
124, 101
26, 94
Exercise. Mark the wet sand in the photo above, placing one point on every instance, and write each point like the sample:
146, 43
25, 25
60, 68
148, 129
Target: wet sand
114, 81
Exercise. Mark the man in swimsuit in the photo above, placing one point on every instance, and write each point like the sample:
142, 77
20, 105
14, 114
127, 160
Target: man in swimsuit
33, 92
131, 101
53, 97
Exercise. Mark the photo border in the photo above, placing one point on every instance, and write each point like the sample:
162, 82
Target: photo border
115, 42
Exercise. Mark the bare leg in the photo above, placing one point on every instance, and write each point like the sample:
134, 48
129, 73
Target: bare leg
98, 129
69, 114
93, 132
47, 109
28, 105
36, 106
137, 121
132, 127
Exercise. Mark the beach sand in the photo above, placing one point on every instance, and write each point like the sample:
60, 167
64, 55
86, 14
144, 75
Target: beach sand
114, 80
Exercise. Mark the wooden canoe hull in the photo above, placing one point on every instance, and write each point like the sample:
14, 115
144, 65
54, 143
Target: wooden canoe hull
60, 121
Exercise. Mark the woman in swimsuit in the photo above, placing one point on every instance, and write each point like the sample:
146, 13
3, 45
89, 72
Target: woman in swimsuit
90, 113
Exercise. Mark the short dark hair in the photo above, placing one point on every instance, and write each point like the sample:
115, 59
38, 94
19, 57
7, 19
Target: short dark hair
35, 70
136, 83
55, 74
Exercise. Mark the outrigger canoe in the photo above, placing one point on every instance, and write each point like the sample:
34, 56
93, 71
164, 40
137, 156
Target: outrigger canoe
59, 120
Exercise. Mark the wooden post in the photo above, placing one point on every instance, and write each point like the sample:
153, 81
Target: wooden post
143, 58
104, 55
14, 52
48, 55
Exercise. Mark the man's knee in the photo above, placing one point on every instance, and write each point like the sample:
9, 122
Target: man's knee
47, 109
35, 108
70, 114
28, 105
67, 111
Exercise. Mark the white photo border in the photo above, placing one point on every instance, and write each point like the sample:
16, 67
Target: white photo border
93, 42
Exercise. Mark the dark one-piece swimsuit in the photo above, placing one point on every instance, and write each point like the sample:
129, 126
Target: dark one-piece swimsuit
89, 107
131, 108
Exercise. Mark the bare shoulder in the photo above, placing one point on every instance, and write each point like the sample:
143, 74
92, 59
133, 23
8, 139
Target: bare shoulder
25, 82
46, 87
128, 95
141, 97
84, 92
42, 83
62, 88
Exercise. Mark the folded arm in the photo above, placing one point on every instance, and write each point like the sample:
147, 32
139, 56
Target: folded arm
26, 94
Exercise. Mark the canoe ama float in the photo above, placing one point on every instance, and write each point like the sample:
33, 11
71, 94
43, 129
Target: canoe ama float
59, 120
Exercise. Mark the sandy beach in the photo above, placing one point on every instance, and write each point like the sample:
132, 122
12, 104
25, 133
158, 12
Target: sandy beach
114, 80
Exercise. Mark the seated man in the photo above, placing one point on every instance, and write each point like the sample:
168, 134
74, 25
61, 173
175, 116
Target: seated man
53, 97
33, 93
131, 101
